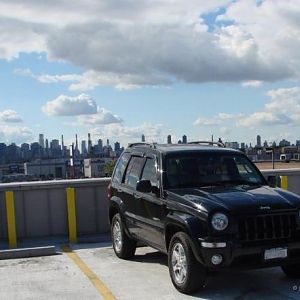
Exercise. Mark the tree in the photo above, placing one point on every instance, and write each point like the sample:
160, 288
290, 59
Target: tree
109, 168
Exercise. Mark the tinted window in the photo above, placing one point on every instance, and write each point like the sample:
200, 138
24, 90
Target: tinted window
133, 171
149, 172
120, 168
208, 169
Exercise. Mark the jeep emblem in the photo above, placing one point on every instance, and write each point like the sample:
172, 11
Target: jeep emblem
264, 207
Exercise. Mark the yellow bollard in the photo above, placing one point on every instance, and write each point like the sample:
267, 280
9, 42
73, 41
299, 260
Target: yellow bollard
71, 215
11, 220
284, 182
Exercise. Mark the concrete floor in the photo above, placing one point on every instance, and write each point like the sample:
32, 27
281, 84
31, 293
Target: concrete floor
144, 277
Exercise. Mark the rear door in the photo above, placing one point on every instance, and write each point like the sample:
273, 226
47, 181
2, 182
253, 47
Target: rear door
132, 175
151, 210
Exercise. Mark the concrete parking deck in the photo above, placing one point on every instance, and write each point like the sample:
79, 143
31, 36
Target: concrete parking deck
144, 277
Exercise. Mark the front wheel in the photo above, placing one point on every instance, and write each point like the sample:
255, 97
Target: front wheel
186, 273
124, 246
291, 271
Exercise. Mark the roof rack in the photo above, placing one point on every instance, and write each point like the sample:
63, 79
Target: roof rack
208, 143
141, 144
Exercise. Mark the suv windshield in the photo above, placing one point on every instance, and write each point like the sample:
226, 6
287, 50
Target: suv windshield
210, 169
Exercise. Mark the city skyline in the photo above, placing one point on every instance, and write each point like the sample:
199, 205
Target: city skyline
87, 142
201, 68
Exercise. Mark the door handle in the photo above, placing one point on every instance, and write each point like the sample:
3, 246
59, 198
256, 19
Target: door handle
136, 196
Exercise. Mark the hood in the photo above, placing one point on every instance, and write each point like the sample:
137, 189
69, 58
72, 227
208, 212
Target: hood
239, 199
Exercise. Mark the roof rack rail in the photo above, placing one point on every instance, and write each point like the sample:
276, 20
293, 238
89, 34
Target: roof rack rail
208, 143
141, 144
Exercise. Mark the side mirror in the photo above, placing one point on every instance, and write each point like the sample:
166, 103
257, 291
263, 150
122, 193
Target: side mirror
272, 181
144, 186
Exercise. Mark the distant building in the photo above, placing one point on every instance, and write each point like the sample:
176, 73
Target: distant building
89, 149
95, 167
184, 139
284, 143
258, 141
169, 139
83, 148
233, 145
143, 138
41, 140
47, 169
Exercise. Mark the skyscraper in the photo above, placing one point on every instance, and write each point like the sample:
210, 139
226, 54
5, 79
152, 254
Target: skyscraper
89, 144
169, 139
41, 140
258, 141
184, 139
143, 138
83, 147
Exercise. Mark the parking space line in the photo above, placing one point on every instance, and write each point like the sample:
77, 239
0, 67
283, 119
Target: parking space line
95, 280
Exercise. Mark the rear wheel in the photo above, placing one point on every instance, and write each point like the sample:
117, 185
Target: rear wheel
187, 274
291, 271
124, 246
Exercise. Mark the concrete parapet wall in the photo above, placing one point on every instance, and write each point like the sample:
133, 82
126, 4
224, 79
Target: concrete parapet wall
41, 210
289, 178
45, 209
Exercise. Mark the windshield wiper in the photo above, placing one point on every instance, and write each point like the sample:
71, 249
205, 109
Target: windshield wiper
239, 182
230, 182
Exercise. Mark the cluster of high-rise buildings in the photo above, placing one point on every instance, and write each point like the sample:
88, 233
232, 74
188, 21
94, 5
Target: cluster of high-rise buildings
46, 159
45, 149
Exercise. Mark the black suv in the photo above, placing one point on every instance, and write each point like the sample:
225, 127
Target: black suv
205, 206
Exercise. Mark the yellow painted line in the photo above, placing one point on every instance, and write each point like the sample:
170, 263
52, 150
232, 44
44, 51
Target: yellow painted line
98, 284
284, 182
71, 215
11, 220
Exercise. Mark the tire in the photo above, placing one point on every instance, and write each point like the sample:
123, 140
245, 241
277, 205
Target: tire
291, 271
187, 274
124, 246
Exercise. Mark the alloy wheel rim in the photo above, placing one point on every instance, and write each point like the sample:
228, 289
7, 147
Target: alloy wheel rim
179, 264
117, 235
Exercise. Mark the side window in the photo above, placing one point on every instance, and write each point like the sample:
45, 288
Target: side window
133, 171
149, 172
120, 168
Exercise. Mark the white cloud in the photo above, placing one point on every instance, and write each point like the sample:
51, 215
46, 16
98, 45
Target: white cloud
218, 119
263, 118
70, 106
207, 122
15, 134
225, 130
252, 83
283, 108
10, 116
126, 134
129, 44
46, 78
102, 117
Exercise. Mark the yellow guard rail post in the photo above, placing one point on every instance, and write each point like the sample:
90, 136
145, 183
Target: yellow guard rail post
284, 182
11, 220
71, 206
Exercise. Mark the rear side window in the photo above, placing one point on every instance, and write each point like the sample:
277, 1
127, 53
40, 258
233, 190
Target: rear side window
149, 172
133, 171
120, 168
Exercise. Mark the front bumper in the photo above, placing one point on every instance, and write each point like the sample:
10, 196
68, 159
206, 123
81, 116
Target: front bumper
235, 255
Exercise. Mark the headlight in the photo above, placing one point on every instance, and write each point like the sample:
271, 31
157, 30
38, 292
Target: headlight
219, 221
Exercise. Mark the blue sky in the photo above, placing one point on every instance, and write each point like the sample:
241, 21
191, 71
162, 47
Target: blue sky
118, 69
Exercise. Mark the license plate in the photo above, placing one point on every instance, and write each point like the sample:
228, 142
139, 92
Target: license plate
275, 253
